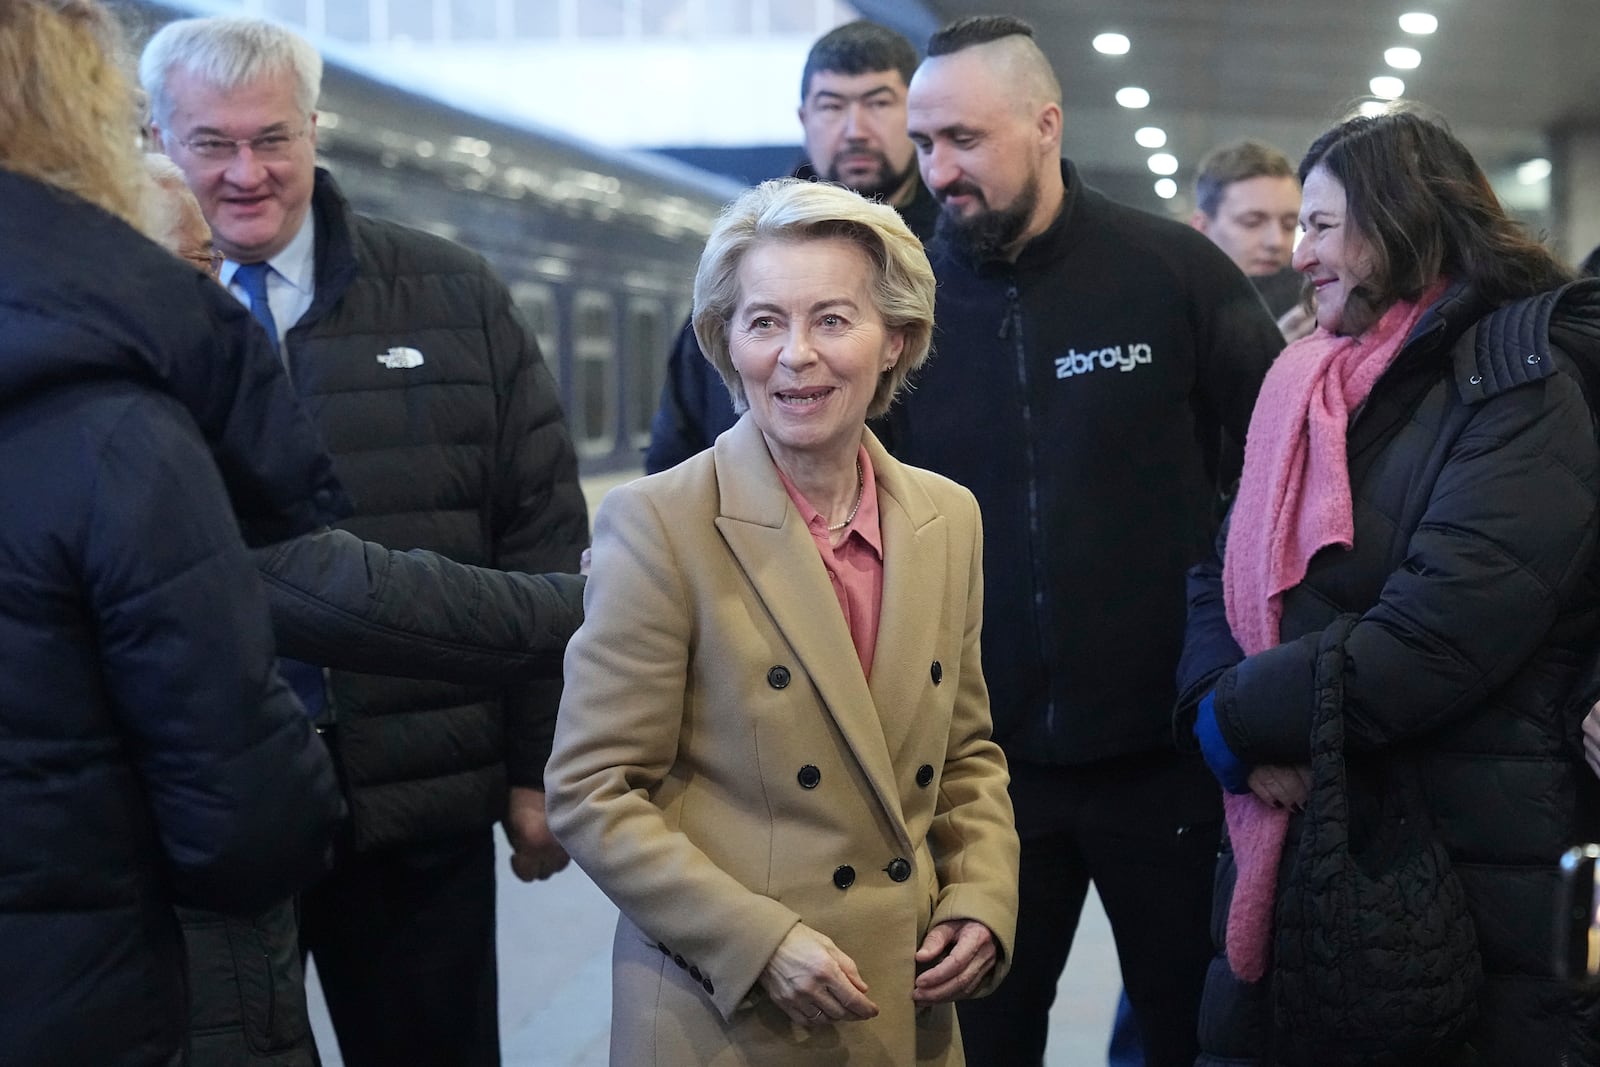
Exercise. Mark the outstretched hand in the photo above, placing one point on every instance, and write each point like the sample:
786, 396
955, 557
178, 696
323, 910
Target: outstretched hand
969, 955
813, 981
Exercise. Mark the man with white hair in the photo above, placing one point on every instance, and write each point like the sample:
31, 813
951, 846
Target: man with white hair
1090, 358
457, 445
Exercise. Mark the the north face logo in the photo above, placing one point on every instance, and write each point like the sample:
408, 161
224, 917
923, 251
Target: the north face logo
1117, 357
401, 358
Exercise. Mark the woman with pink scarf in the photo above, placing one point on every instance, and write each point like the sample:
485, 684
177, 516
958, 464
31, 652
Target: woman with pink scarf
1425, 467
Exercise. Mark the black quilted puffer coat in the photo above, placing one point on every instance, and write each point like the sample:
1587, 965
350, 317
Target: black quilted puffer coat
1475, 475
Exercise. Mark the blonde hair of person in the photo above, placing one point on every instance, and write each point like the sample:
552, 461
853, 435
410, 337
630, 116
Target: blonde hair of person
789, 209
68, 113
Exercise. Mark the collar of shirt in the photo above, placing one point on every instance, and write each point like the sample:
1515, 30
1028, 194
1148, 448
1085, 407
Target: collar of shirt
864, 525
292, 282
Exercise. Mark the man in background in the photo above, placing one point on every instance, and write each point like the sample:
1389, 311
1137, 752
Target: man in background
1090, 358
1247, 200
444, 423
853, 115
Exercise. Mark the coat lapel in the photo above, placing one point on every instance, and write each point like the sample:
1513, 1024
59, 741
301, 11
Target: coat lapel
915, 546
764, 532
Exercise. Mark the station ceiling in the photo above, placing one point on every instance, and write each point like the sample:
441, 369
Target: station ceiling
1507, 74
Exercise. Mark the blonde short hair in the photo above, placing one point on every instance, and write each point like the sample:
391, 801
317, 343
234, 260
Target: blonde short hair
68, 114
793, 210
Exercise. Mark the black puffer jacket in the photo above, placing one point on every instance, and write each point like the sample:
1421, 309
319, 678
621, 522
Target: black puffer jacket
150, 754
464, 453
1475, 475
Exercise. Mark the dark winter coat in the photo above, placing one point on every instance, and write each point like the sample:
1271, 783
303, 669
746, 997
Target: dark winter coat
1080, 393
150, 754
1475, 475
465, 454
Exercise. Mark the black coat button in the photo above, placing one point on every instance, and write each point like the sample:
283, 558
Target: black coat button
681, 962
925, 775
844, 876
662, 945
936, 672
694, 972
898, 870
809, 776
705, 983
778, 677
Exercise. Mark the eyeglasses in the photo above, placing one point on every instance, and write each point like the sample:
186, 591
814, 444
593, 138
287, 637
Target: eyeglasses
207, 259
269, 147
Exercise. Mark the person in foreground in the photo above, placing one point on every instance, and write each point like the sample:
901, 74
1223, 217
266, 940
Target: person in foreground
773, 750
149, 753
1418, 510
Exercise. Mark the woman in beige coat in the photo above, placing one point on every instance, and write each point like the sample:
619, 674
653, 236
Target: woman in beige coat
773, 751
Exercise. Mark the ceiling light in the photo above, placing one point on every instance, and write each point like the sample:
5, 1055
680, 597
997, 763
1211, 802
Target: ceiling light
1387, 88
1533, 171
1373, 108
1164, 163
1133, 96
1150, 136
1111, 44
1418, 22
1403, 58
1166, 188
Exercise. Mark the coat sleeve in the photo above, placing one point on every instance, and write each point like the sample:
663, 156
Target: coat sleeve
617, 742
694, 407
973, 836
1508, 530
352, 605
1236, 341
1208, 645
541, 523
242, 791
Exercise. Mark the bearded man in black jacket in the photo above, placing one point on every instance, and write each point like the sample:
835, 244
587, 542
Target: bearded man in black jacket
1089, 358
444, 422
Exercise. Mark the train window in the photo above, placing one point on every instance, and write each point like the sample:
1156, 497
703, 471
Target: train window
600, 18
411, 22
537, 303
473, 20
725, 17
347, 22
536, 18
594, 362
293, 11
644, 347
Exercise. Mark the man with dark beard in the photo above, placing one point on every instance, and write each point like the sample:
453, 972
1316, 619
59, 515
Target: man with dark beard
853, 114
1089, 357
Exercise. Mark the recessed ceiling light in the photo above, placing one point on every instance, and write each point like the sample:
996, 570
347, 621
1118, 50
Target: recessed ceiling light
1111, 44
1418, 22
1133, 96
1387, 88
1164, 163
1533, 171
1150, 136
1403, 58
1166, 188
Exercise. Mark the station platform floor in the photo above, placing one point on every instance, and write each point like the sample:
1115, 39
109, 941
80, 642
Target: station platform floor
555, 979
555, 965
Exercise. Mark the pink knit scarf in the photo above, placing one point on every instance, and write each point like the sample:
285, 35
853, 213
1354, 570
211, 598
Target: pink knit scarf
1294, 500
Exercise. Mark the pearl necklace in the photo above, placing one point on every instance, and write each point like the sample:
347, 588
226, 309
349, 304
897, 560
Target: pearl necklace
861, 484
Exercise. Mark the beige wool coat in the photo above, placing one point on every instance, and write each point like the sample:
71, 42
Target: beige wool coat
723, 769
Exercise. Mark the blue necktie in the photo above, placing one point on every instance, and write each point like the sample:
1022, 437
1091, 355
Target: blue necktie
304, 678
252, 278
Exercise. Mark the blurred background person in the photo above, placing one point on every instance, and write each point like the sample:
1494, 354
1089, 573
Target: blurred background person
773, 753
149, 754
403, 930
1425, 461
853, 118
1247, 200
